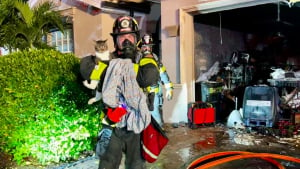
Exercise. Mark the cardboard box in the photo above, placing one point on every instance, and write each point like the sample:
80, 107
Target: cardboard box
172, 31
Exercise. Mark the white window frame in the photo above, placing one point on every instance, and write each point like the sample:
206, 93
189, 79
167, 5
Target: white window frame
65, 39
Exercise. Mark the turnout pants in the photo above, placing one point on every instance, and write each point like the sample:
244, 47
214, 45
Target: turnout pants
123, 141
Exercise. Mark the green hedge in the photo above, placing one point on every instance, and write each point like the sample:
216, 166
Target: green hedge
44, 111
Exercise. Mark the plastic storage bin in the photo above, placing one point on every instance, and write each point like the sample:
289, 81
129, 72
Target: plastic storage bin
260, 106
210, 91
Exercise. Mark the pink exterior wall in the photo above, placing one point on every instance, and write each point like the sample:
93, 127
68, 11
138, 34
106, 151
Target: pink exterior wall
170, 45
87, 28
176, 109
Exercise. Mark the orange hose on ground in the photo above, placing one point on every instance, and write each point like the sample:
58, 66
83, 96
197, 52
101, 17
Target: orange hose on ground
214, 155
276, 163
250, 155
219, 154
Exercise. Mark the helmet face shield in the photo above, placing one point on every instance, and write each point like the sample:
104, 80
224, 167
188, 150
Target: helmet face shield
147, 39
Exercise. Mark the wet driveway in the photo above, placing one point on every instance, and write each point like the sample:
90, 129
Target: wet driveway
187, 144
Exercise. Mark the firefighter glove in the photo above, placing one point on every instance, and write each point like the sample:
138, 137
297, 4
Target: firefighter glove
169, 94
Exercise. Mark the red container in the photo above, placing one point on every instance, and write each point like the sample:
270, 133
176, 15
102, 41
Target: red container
200, 113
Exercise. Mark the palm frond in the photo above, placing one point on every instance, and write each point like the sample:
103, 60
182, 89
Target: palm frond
6, 7
23, 27
25, 12
47, 18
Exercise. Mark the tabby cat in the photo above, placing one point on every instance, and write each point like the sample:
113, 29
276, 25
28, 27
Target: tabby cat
102, 54
101, 50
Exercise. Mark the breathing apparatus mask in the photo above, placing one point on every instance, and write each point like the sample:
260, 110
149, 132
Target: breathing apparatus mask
125, 34
128, 49
146, 49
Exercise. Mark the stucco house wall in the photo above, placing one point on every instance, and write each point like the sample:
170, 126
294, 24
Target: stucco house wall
176, 109
86, 29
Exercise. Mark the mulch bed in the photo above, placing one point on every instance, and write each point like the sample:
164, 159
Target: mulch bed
6, 161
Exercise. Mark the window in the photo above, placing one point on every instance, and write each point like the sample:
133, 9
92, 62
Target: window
63, 42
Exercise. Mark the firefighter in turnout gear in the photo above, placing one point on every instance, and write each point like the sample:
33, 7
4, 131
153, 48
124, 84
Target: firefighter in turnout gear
145, 44
122, 90
127, 107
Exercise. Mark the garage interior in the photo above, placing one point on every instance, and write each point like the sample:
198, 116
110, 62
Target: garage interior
248, 44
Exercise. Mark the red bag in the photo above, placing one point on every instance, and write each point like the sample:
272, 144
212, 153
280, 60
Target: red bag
153, 140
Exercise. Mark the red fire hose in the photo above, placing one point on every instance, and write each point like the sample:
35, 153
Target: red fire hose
228, 156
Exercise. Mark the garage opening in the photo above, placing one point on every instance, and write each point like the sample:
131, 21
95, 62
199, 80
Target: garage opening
245, 44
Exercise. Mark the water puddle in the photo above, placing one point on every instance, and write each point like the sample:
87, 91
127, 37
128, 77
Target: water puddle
207, 141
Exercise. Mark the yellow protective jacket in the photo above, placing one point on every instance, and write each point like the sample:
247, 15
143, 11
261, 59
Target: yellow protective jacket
147, 73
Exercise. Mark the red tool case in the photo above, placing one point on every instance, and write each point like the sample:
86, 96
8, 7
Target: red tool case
200, 113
